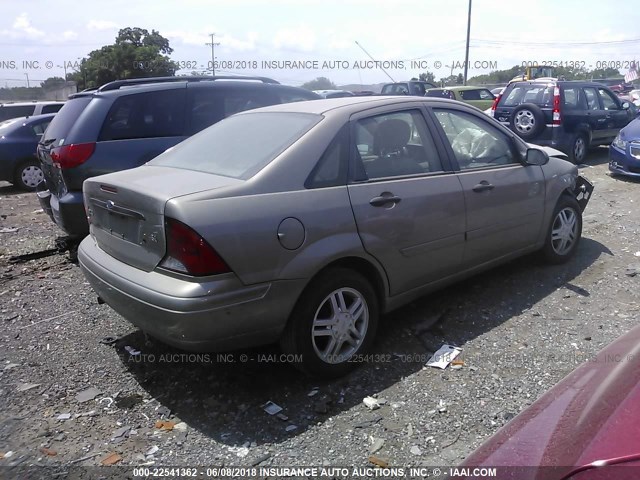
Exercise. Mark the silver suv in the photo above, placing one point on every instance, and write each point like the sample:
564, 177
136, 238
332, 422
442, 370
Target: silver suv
27, 109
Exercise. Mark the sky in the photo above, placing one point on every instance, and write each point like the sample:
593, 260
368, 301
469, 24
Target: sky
259, 37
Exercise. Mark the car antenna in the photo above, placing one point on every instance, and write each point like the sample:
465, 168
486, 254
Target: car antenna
380, 67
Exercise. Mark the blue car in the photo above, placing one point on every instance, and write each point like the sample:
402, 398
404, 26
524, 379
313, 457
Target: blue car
18, 144
624, 152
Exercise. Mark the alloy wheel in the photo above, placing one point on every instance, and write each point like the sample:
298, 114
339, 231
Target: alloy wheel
340, 325
564, 231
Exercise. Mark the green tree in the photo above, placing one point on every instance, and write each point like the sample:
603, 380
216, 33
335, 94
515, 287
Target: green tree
52, 83
459, 79
320, 83
427, 77
606, 73
136, 53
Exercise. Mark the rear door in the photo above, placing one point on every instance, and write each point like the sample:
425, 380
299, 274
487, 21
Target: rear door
408, 204
596, 116
504, 198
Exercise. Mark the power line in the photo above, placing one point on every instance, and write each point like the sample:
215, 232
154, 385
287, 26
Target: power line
552, 44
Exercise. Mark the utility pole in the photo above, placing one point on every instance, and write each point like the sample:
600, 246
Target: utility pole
27, 75
213, 57
466, 54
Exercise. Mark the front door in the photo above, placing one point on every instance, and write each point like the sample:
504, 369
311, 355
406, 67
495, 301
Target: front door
504, 198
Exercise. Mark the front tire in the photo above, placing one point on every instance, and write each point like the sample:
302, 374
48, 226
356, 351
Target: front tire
28, 175
335, 319
565, 231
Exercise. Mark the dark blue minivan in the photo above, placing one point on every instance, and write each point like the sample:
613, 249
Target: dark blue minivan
126, 123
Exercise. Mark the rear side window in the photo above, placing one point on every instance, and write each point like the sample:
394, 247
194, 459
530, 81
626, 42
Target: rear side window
145, 115
572, 99
240, 146
331, 169
51, 108
63, 121
541, 95
440, 94
210, 105
13, 111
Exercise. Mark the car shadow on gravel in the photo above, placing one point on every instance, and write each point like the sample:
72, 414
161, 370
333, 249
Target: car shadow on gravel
222, 395
8, 189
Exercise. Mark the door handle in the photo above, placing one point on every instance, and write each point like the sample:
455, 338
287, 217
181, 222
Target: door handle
382, 201
483, 186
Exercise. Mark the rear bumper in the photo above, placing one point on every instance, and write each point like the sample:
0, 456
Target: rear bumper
67, 211
215, 315
620, 162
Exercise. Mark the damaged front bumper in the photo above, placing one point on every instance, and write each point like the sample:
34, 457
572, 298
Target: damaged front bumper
583, 191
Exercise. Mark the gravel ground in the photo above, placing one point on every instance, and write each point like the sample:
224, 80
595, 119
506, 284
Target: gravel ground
522, 327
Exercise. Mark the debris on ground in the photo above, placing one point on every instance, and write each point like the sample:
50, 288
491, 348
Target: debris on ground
23, 387
377, 445
88, 394
415, 450
271, 408
111, 459
371, 403
379, 461
132, 351
444, 356
165, 424
63, 416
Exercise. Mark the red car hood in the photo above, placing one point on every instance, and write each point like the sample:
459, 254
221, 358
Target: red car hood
592, 414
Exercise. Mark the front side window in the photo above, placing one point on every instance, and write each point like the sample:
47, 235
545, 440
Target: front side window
394, 144
475, 143
608, 101
145, 115
592, 98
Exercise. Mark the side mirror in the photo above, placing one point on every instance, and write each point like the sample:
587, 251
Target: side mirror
535, 156
626, 105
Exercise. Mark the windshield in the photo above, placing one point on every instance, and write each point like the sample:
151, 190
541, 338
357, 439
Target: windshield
239, 146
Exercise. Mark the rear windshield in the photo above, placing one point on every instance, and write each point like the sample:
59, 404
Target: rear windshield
63, 121
239, 146
541, 95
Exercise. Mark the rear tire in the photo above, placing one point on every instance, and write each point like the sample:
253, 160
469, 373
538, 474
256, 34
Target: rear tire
28, 175
565, 231
579, 148
334, 320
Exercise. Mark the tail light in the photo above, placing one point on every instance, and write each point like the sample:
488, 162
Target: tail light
189, 253
556, 106
495, 104
69, 156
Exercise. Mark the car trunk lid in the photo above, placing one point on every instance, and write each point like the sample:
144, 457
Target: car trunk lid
126, 209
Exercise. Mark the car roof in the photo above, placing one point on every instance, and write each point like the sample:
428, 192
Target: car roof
348, 105
151, 86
